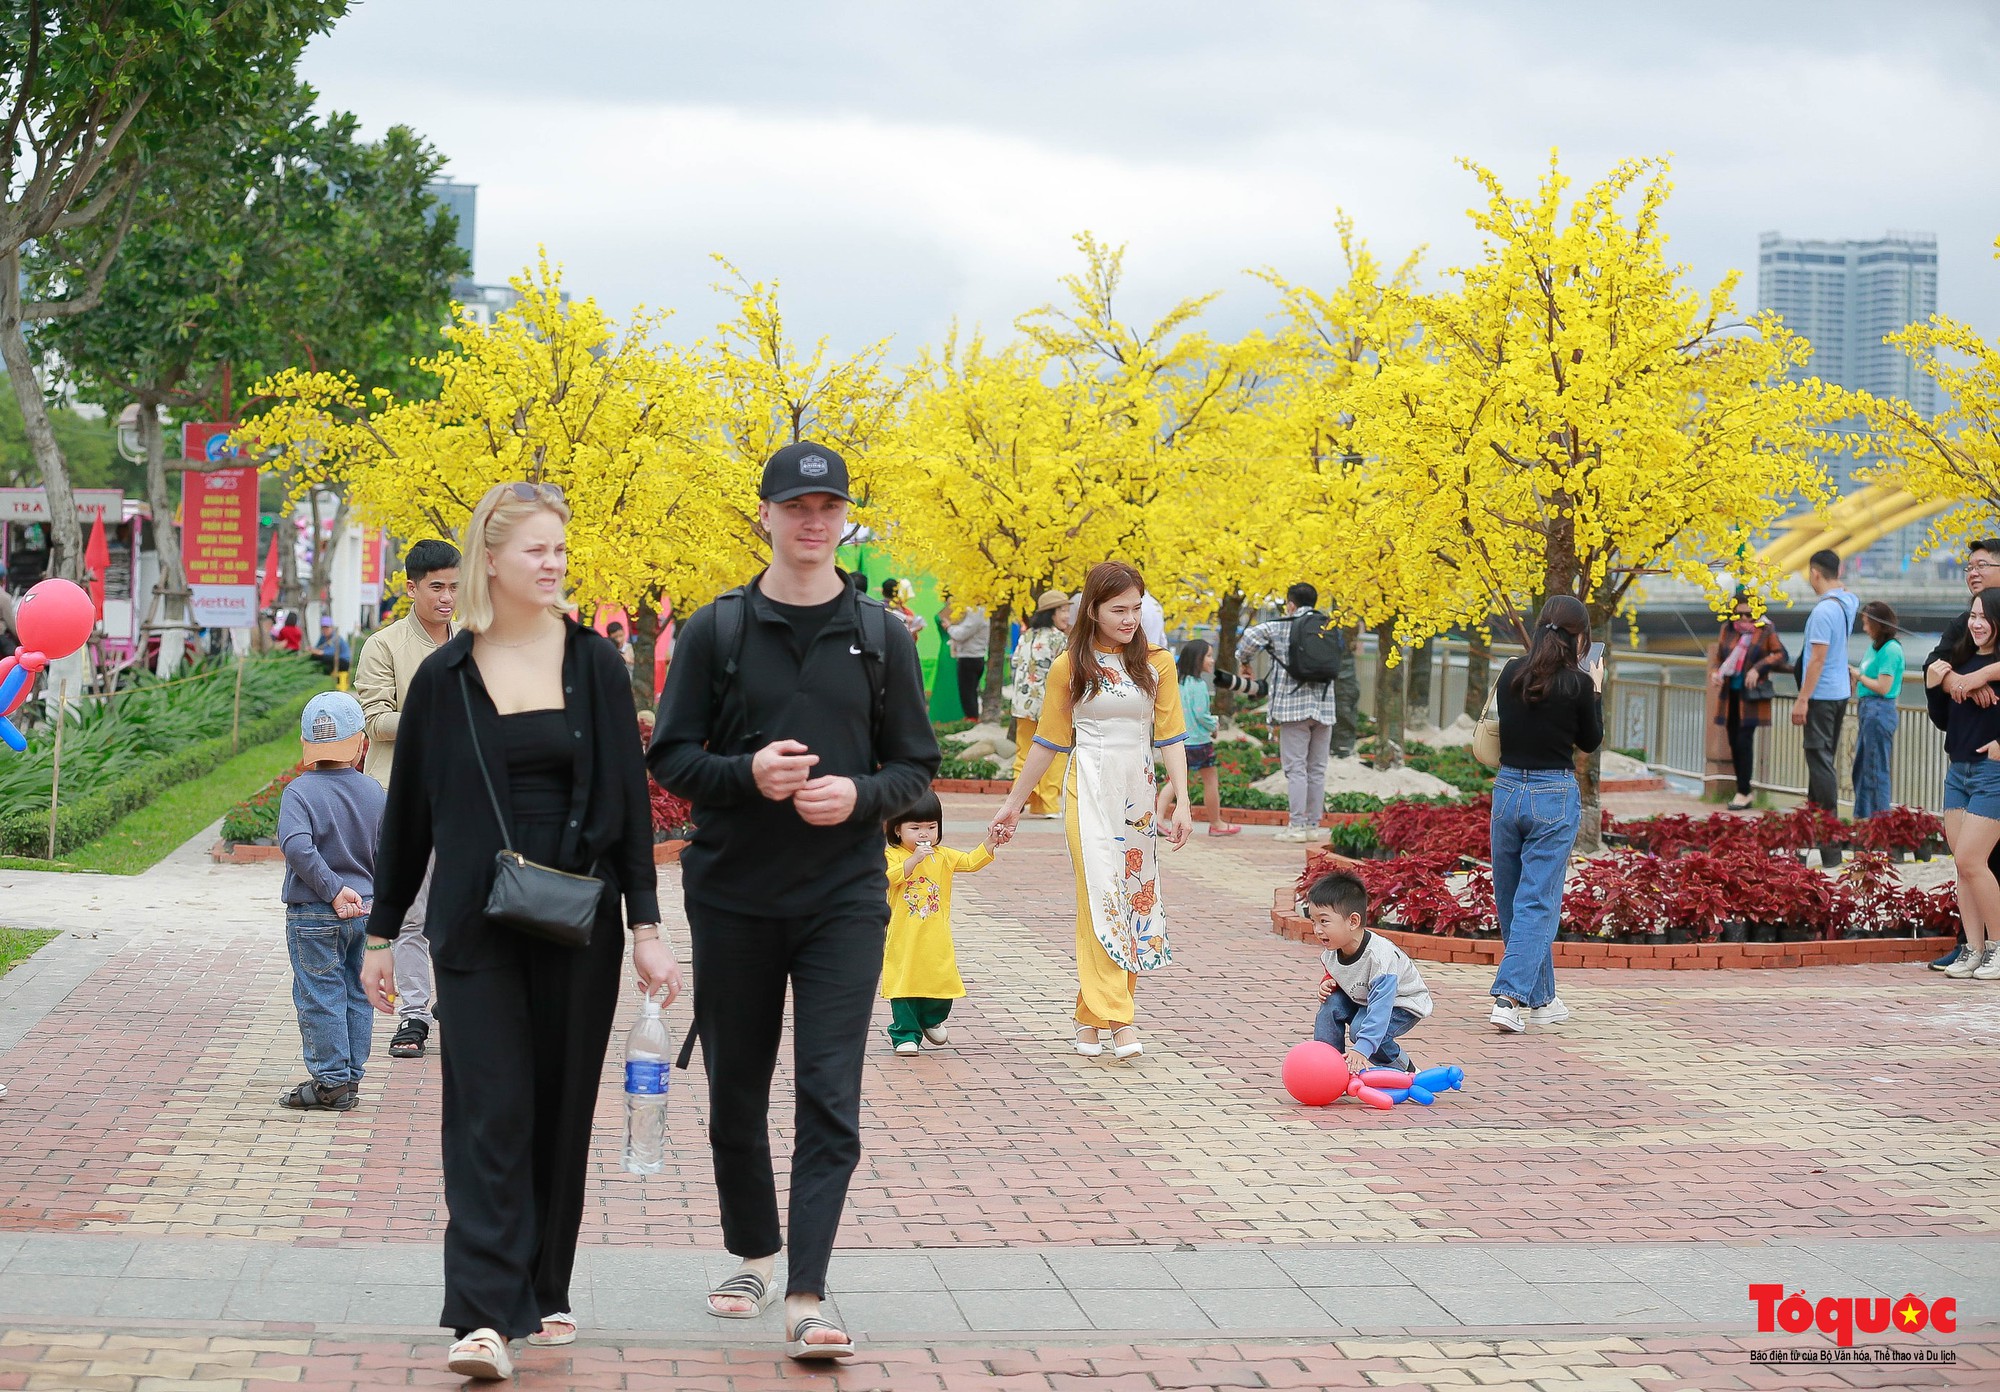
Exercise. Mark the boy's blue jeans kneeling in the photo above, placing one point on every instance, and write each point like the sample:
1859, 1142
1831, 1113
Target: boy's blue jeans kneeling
1339, 1011
336, 1024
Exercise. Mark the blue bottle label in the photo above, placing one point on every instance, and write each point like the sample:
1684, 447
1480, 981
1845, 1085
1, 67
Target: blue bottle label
645, 1076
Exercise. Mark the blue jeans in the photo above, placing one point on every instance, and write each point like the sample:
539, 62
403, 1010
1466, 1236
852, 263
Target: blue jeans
336, 1024
1535, 816
1339, 1010
1875, 740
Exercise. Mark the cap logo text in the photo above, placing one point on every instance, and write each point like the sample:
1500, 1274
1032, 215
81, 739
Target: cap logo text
813, 466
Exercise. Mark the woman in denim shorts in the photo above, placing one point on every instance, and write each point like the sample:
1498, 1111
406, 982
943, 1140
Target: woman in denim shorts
1972, 784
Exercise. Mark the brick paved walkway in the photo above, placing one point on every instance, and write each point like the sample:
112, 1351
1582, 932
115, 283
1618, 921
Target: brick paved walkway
1696, 1125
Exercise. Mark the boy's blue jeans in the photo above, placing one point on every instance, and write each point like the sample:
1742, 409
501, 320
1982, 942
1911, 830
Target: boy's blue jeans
1339, 1010
336, 1024
1874, 744
1535, 817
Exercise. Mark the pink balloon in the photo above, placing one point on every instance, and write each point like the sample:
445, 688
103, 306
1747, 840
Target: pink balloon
1387, 1078
1315, 1073
54, 618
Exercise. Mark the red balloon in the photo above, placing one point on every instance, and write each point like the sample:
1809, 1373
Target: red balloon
1315, 1073
54, 618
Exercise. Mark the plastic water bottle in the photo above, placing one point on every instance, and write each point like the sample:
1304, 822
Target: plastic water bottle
648, 1069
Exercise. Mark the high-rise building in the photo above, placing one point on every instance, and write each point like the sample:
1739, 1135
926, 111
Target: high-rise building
484, 301
1845, 297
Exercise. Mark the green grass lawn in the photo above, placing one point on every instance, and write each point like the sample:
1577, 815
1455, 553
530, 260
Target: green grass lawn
19, 944
138, 841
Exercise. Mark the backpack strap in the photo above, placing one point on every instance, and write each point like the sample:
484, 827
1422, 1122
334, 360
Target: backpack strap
872, 618
732, 622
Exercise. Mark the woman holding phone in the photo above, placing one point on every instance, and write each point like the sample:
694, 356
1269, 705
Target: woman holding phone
1551, 709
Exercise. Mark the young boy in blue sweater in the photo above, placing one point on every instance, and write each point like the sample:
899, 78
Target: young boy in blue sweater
327, 824
1371, 991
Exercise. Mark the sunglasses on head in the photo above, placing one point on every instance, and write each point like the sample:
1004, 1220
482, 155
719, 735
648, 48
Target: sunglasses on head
534, 492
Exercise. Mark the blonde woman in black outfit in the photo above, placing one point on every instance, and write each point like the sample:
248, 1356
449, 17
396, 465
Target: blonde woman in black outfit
551, 708
1550, 711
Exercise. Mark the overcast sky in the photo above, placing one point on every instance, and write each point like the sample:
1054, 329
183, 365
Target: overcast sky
897, 165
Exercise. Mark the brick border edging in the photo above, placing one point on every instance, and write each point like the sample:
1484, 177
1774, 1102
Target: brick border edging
250, 853
1837, 952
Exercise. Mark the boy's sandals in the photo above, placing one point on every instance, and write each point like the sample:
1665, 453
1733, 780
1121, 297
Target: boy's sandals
557, 1329
482, 1356
409, 1041
310, 1096
797, 1347
744, 1285
1091, 1047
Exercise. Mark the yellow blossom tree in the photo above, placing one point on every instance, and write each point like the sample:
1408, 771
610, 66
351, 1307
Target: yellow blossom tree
551, 392
1573, 417
1955, 455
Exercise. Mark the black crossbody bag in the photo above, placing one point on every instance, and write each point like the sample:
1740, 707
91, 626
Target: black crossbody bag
538, 900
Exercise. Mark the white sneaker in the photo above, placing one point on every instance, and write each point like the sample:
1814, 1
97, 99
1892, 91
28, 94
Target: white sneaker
1949, 958
1294, 834
1507, 1017
1554, 1013
1969, 962
908, 1046
1989, 966
938, 1034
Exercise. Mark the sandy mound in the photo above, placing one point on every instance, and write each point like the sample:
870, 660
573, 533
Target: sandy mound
1619, 766
1353, 776
1456, 735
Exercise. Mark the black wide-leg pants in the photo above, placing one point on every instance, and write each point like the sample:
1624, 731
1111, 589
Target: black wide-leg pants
522, 1062
742, 965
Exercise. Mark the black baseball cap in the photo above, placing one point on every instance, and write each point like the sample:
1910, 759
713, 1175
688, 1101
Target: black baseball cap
797, 470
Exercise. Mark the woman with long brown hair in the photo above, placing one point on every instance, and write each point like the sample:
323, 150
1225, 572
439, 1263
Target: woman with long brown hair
1550, 710
1739, 684
1111, 701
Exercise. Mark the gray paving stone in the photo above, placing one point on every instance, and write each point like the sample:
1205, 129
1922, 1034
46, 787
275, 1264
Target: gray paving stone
1677, 1262
1222, 1268
1556, 1263
902, 1312
1257, 1309
10, 1243
1709, 1302
1021, 1310
884, 1271
198, 1261
1165, 1310
1905, 1266
1336, 1266
1108, 1268
673, 1312
61, 1254
320, 1302
49, 1293
1612, 1302
1380, 1307
397, 1305
685, 1271
1978, 1261
178, 1299
978, 1270
1499, 1304
1444, 1264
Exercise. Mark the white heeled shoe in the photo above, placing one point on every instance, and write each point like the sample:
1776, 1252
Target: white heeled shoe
1091, 1047
1125, 1051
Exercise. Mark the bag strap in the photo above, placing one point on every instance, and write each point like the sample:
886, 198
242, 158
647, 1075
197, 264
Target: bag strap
479, 757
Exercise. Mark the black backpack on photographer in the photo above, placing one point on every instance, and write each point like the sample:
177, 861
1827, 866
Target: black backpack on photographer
1315, 650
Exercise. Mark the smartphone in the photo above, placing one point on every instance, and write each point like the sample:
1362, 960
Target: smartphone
1594, 658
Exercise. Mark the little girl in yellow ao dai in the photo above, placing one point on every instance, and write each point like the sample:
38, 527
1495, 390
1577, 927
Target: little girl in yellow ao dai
920, 976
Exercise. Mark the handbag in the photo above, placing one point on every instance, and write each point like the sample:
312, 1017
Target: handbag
1486, 731
538, 900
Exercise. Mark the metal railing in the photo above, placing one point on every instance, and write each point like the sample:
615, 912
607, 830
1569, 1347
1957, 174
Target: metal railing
1658, 703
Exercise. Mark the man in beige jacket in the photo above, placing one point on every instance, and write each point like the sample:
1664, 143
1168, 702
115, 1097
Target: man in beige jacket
382, 680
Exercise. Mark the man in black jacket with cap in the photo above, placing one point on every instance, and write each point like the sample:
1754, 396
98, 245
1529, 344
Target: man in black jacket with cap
794, 719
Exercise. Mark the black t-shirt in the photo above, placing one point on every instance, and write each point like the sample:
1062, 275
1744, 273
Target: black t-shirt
807, 620
1549, 733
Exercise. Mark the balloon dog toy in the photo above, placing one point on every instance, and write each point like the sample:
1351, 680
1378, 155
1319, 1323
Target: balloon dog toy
53, 619
1316, 1075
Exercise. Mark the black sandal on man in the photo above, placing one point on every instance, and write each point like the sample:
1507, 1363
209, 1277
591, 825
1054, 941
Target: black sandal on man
310, 1096
410, 1039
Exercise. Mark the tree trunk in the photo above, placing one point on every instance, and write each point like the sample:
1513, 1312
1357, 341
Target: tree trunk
65, 528
1228, 622
169, 609
1389, 707
1478, 673
1420, 682
645, 636
990, 706
324, 545
291, 594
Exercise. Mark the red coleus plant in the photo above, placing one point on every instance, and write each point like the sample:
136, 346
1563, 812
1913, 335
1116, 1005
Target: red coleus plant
1899, 829
1458, 828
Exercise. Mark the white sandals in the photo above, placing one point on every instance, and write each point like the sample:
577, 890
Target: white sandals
1125, 1051
1091, 1047
797, 1347
541, 1338
482, 1356
746, 1284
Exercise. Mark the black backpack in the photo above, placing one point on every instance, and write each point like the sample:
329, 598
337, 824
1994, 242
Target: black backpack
730, 628
1314, 656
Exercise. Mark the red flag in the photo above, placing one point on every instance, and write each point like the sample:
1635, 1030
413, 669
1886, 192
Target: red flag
267, 593
96, 561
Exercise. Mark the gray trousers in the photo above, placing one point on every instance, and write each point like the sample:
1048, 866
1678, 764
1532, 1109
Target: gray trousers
416, 984
1302, 748
1822, 742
